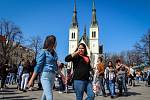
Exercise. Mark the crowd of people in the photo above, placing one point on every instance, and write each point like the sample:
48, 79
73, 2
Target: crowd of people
16, 74
84, 78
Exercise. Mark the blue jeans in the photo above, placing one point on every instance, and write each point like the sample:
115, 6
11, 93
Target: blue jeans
83, 86
107, 85
47, 80
12, 78
112, 87
101, 82
122, 83
19, 81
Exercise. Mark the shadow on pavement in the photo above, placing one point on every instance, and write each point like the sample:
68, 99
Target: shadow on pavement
25, 99
7, 93
137, 85
133, 93
16, 98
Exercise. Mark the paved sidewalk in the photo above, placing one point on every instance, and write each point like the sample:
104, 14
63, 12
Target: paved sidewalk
140, 92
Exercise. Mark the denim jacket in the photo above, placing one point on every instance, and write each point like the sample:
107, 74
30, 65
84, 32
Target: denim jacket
46, 62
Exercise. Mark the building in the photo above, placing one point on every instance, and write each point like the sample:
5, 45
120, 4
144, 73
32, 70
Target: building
20, 53
15, 52
91, 41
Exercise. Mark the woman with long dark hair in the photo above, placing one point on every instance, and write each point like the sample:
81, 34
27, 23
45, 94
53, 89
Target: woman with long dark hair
82, 68
47, 65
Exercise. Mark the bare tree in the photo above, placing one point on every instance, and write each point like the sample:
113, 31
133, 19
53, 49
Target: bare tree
36, 44
113, 57
146, 45
13, 38
134, 57
143, 46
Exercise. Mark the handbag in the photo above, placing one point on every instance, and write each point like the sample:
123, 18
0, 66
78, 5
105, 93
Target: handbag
70, 79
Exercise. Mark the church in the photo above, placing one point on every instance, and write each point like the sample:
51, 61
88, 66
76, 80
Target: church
91, 41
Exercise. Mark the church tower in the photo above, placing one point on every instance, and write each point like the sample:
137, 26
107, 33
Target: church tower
94, 33
73, 32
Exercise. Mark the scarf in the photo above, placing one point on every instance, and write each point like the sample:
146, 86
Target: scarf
85, 58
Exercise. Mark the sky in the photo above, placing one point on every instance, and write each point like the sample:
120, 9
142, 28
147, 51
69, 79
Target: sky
121, 22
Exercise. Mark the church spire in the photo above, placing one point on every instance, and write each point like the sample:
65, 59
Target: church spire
85, 29
84, 35
74, 18
94, 21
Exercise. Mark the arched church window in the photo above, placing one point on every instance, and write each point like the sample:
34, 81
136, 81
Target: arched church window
93, 34
72, 35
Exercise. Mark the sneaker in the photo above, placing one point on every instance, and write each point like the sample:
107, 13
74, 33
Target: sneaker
113, 97
30, 89
21, 89
125, 94
24, 91
6, 86
119, 94
60, 92
1, 89
105, 95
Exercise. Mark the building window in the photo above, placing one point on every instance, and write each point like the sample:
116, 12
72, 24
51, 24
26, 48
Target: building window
93, 34
73, 35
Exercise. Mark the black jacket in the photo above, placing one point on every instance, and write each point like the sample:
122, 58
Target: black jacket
81, 68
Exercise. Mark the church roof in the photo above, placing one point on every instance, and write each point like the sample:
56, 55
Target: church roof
94, 20
84, 37
74, 17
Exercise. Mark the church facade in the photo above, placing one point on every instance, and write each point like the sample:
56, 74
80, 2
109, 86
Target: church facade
91, 41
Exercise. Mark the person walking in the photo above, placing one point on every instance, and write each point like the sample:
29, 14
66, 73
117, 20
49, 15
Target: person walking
122, 71
25, 75
101, 70
47, 65
131, 77
33, 64
82, 68
111, 77
4, 73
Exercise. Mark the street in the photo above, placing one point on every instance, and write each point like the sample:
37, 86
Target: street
139, 92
